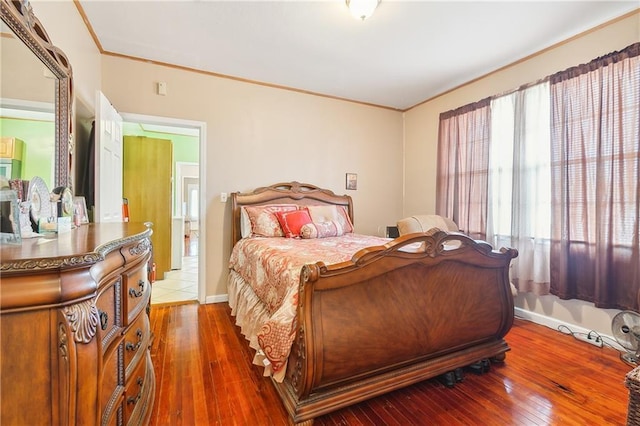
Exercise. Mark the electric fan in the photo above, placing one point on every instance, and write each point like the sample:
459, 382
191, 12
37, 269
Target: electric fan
626, 329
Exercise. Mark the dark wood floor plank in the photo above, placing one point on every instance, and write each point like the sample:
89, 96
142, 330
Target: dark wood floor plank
205, 376
209, 336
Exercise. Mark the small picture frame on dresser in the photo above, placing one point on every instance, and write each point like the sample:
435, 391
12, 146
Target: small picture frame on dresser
80, 215
9, 217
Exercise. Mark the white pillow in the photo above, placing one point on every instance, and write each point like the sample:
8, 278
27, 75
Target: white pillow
245, 223
323, 213
331, 213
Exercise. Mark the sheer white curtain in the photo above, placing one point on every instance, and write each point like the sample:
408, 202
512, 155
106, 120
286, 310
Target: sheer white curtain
519, 192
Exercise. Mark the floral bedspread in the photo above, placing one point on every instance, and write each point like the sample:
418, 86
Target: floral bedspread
272, 267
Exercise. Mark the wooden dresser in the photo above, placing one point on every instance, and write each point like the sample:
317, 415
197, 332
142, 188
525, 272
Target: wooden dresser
74, 328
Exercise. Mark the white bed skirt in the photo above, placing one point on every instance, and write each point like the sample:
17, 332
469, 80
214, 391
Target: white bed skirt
250, 314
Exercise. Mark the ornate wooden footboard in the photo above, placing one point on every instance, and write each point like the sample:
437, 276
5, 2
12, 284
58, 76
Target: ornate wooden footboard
420, 306
390, 318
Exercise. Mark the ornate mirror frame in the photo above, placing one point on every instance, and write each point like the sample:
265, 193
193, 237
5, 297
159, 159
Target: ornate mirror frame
18, 15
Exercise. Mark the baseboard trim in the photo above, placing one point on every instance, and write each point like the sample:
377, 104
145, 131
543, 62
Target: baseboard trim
218, 298
545, 320
557, 325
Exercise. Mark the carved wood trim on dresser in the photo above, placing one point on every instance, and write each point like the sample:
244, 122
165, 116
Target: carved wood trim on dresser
74, 328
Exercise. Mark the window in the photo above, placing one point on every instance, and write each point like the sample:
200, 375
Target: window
193, 204
563, 165
519, 163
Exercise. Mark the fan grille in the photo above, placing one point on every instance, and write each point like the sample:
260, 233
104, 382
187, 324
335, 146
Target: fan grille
626, 330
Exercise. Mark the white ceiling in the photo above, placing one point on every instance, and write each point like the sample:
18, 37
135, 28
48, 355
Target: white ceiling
407, 52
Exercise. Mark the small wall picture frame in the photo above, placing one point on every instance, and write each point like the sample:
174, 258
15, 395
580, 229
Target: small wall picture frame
9, 217
352, 181
80, 214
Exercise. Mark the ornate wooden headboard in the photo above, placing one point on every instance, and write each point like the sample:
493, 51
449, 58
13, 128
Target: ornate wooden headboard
285, 193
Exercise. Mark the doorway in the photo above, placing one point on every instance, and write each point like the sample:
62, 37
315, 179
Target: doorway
185, 280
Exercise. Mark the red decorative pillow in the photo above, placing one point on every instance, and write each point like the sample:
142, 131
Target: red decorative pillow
291, 222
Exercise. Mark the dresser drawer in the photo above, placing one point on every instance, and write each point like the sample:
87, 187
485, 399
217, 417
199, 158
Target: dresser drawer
109, 304
137, 292
136, 342
134, 252
140, 392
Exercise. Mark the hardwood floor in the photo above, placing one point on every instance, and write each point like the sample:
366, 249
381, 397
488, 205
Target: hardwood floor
204, 376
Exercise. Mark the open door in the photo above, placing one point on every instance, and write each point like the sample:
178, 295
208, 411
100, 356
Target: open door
108, 172
147, 177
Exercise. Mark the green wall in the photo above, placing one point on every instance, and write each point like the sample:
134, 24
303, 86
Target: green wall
39, 139
185, 148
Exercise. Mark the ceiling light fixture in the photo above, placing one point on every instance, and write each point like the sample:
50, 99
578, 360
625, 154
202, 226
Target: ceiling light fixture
362, 9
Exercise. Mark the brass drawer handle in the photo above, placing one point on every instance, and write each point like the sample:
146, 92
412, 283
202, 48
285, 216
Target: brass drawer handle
134, 347
104, 320
134, 293
135, 399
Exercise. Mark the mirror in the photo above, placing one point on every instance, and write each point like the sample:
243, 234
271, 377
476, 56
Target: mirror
35, 75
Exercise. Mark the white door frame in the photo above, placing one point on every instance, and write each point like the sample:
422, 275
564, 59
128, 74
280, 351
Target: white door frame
202, 127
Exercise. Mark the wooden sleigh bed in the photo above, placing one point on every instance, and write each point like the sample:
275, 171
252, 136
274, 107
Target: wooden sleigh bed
410, 309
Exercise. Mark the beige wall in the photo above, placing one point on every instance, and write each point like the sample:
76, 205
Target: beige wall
67, 30
255, 135
258, 135
22, 74
421, 138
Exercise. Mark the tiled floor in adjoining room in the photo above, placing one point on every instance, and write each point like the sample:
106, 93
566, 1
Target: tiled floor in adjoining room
179, 285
